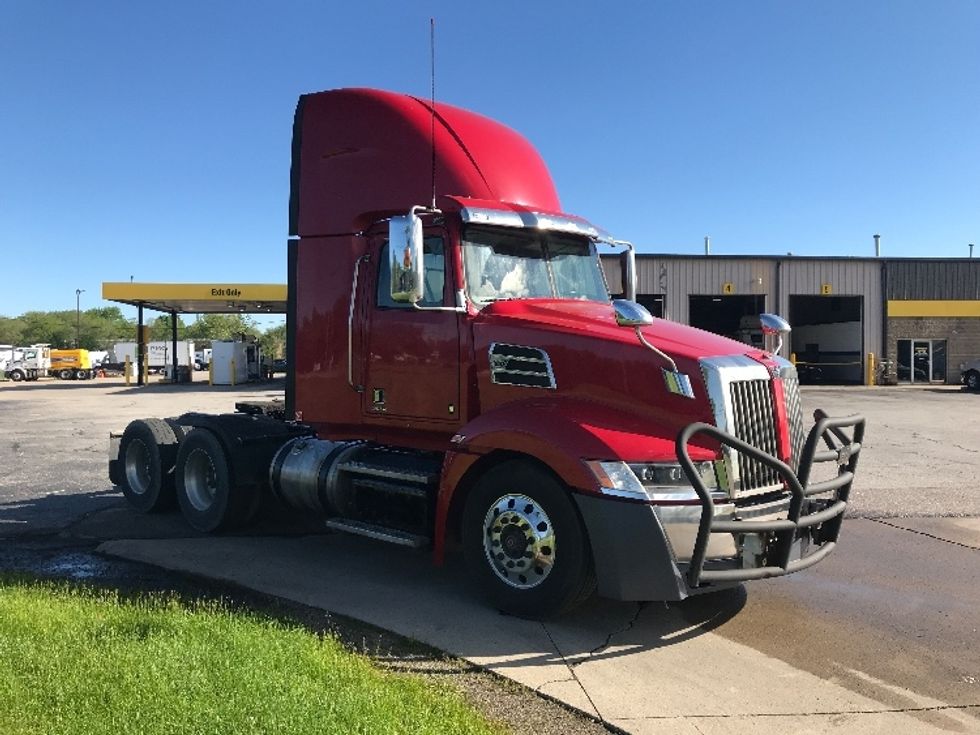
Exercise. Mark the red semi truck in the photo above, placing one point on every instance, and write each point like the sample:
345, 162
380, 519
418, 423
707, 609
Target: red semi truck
459, 377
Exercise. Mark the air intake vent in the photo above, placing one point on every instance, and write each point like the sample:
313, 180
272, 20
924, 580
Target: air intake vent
516, 365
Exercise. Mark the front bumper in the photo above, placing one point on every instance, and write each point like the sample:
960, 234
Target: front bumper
647, 552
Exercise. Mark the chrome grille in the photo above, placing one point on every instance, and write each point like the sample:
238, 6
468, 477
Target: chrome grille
794, 414
740, 391
754, 422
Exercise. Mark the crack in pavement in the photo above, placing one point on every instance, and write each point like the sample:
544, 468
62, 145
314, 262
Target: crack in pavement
640, 606
829, 713
934, 440
924, 533
542, 685
574, 677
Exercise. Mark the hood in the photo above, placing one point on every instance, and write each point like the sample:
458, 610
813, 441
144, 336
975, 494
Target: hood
598, 321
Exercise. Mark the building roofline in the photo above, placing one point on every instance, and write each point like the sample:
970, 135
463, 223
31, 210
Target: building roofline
848, 258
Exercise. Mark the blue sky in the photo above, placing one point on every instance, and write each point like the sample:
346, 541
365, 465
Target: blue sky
152, 139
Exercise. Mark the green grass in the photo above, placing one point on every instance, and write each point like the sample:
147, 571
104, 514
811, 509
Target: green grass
76, 661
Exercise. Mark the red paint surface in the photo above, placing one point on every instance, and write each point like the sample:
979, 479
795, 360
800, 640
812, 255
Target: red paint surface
365, 155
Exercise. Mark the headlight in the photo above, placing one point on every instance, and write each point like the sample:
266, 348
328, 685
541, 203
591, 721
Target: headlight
657, 482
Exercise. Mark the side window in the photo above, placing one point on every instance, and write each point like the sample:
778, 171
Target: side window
435, 275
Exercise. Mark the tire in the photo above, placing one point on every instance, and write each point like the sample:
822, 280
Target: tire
81, 375
147, 454
524, 543
16, 375
205, 485
973, 380
66, 374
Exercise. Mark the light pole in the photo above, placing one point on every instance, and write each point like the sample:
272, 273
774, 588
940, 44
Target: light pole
78, 316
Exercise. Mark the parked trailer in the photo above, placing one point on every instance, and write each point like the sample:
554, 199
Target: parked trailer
8, 353
460, 378
158, 354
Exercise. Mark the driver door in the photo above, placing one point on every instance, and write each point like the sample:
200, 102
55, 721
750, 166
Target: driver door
412, 369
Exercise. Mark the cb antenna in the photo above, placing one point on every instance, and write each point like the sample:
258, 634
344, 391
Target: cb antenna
432, 107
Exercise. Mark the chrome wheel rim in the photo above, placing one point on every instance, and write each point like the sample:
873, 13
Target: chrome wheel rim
138, 467
200, 480
519, 541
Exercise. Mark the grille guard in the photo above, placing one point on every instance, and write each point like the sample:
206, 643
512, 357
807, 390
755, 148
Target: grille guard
822, 526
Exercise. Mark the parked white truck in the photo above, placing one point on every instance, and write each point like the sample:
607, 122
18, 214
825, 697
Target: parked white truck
32, 363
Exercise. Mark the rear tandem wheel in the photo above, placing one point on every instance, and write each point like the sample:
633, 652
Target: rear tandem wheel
147, 454
209, 498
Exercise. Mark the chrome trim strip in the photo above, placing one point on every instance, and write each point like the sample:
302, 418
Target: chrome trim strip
534, 220
350, 324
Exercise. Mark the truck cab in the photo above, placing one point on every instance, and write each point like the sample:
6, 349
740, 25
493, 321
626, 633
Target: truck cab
460, 377
29, 363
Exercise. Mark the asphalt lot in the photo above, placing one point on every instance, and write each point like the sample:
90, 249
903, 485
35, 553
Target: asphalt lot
879, 638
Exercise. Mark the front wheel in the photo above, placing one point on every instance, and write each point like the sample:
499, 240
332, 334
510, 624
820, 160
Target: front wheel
973, 380
16, 375
525, 545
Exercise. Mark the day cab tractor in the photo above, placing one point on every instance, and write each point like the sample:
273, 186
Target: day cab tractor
460, 379
32, 363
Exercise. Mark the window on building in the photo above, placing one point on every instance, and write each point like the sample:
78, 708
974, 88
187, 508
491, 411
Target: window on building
921, 361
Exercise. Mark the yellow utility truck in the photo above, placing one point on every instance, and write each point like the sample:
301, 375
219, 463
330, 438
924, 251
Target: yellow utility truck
71, 364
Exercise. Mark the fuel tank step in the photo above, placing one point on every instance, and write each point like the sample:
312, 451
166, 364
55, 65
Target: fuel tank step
379, 533
389, 472
391, 488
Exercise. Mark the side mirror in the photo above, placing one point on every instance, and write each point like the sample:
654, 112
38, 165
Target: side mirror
774, 327
628, 264
405, 254
631, 314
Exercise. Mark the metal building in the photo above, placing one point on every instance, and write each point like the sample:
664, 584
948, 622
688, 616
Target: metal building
920, 316
933, 324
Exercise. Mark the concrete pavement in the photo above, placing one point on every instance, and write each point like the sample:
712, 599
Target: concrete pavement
879, 638
650, 668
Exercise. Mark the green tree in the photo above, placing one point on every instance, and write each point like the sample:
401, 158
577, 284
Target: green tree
273, 341
103, 327
160, 329
11, 331
221, 326
56, 328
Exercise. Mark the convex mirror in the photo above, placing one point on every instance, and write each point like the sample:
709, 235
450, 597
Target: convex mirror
405, 254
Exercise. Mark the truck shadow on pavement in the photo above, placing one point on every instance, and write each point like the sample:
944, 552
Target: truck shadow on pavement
117, 387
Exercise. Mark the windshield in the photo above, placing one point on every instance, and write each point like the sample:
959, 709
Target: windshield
525, 264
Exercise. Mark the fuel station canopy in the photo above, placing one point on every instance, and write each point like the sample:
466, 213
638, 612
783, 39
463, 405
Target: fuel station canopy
200, 298
193, 298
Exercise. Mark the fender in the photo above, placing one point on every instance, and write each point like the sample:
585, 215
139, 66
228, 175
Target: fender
561, 434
